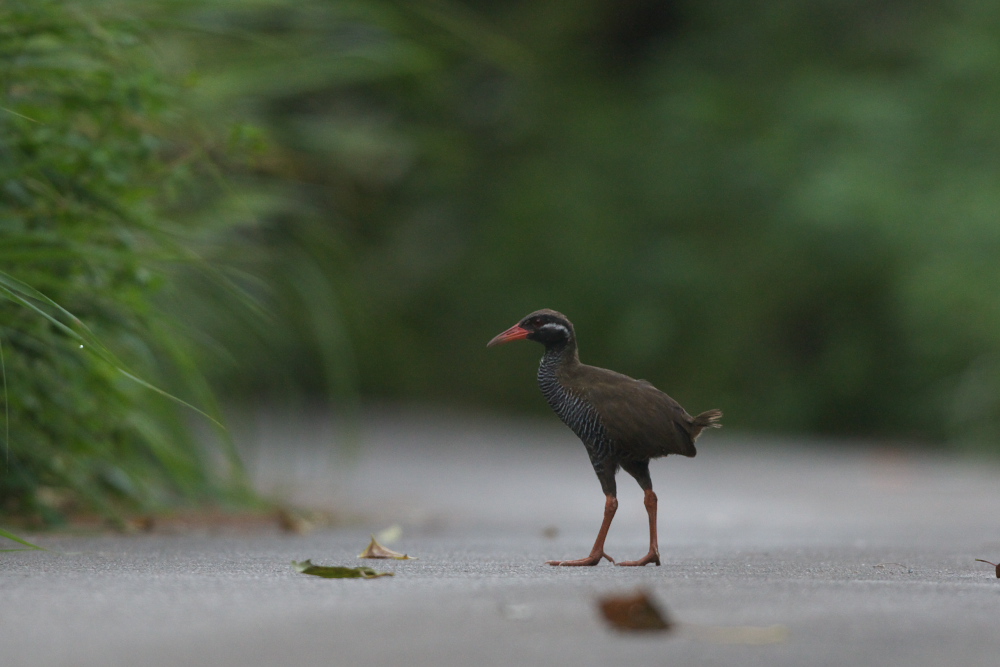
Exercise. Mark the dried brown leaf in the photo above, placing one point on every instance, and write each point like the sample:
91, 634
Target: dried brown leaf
634, 612
376, 550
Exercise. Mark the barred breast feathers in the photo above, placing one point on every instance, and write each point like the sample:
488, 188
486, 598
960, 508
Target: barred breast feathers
581, 417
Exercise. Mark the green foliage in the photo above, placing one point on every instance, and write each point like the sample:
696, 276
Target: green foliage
85, 161
785, 211
349, 96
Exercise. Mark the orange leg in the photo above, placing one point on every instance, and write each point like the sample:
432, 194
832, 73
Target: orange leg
597, 553
654, 549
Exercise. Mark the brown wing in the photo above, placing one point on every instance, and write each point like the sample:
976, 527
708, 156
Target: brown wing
642, 420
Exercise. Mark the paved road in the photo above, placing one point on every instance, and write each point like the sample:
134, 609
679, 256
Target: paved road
836, 555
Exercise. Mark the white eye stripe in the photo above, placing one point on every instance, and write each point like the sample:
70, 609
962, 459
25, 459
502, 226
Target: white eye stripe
555, 326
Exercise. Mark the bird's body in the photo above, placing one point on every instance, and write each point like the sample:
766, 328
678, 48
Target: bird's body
623, 422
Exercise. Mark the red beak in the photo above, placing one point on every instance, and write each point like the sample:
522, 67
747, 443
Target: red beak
516, 332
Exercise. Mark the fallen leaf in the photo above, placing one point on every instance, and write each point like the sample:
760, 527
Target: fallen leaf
634, 612
338, 572
739, 634
993, 564
376, 550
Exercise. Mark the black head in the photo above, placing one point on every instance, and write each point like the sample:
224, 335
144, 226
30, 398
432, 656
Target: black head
548, 327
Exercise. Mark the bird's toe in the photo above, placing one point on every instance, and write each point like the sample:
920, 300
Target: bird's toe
645, 560
589, 561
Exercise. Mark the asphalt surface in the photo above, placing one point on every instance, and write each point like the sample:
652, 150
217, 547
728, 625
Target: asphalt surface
773, 554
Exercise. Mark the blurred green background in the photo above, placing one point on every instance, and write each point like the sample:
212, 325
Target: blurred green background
785, 210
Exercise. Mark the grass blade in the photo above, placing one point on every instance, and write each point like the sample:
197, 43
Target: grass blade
20, 292
11, 536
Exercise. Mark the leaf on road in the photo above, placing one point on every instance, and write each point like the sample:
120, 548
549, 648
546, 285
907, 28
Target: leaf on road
376, 550
993, 564
634, 612
338, 572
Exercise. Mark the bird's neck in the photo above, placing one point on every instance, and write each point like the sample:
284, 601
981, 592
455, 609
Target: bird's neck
561, 354
556, 379
556, 358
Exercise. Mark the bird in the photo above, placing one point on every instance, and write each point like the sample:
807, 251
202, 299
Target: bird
623, 422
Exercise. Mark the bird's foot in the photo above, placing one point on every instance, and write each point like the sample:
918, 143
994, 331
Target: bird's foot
593, 559
651, 557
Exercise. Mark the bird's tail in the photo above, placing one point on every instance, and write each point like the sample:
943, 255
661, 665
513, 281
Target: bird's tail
707, 419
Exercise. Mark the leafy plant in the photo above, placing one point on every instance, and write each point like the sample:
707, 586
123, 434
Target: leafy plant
88, 156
